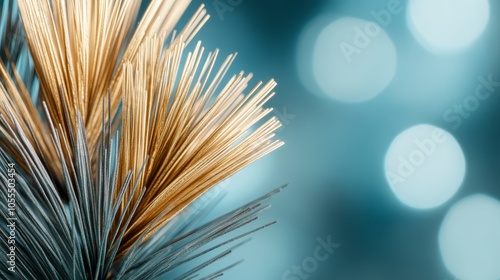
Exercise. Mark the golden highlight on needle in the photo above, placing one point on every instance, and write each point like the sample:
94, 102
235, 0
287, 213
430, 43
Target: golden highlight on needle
181, 129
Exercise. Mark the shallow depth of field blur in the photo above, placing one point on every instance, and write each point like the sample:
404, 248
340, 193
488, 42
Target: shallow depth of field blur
390, 112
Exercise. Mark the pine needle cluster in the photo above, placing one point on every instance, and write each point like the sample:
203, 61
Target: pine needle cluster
114, 130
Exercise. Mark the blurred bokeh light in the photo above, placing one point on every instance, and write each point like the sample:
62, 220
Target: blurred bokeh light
445, 25
424, 166
469, 238
353, 59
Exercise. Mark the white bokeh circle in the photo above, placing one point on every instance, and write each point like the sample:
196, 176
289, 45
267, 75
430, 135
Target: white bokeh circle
447, 26
353, 60
424, 166
469, 238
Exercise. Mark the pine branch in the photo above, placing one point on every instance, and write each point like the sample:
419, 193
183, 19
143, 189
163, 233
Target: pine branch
126, 131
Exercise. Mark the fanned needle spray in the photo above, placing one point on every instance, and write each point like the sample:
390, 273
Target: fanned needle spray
110, 131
